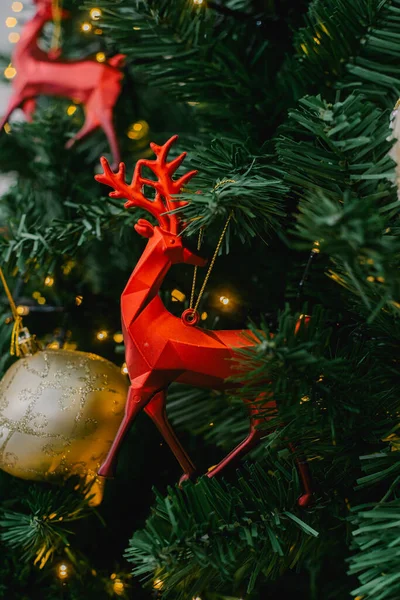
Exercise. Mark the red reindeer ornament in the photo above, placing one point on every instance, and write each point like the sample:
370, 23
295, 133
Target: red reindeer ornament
96, 85
161, 348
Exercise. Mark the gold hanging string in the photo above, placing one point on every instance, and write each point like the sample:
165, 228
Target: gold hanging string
14, 347
210, 268
199, 242
56, 37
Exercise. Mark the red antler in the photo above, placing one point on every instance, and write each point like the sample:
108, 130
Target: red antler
164, 185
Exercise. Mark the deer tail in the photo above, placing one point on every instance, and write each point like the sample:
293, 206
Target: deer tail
117, 60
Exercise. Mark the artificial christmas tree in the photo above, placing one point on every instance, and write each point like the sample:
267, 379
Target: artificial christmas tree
285, 112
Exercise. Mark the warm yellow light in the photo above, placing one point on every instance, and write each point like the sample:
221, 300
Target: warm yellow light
118, 587
78, 300
136, 28
98, 31
224, 300
86, 27
7, 127
36, 295
71, 110
124, 369
118, 338
198, 2
211, 424
370, 278
100, 57
41, 300
158, 584
62, 571
10, 72
23, 310
11, 21
49, 281
177, 296
203, 316
102, 335
13, 37
113, 576
69, 265
138, 130
95, 14
305, 399
17, 6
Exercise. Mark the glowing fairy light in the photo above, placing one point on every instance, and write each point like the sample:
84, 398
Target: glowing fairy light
17, 6
224, 300
95, 14
100, 57
13, 37
11, 22
102, 335
86, 27
10, 72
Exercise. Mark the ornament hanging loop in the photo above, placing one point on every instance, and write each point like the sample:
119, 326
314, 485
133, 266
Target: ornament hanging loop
22, 342
191, 315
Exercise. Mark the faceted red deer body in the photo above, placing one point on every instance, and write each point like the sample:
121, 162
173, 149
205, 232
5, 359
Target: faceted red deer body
161, 348
96, 85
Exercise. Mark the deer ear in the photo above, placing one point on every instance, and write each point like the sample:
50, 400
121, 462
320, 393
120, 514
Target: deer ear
144, 228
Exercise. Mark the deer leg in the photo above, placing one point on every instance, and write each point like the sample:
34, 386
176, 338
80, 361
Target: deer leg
157, 412
106, 123
253, 439
304, 472
29, 107
89, 125
136, 401
244, 447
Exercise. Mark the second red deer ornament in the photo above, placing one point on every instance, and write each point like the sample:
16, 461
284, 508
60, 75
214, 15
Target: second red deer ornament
161, 348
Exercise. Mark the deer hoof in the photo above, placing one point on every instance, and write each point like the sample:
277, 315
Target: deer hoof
304, 500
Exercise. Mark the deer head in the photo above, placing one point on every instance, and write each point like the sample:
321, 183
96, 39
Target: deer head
169, 225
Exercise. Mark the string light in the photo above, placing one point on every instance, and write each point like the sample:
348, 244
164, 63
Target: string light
138, 130
62, 571
98, 31
49, 281
118, 338
177, 296
86, 27
118, 587
78, 300
158, 584
224, 300
102, 335
203, 316
305, 399
95, 14
10, 72
41, 300
100, 57
198, 2
124, 369
71, 110
17, 6
36, 295
136, 28
23, 310
11, 22
13, 37
7, 127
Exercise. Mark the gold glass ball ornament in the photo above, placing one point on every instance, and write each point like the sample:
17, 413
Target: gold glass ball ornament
59, 413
